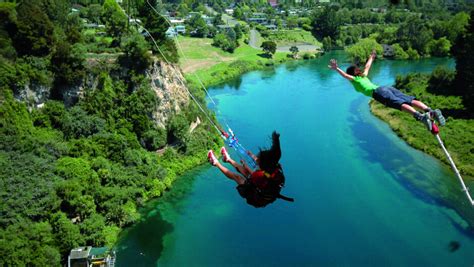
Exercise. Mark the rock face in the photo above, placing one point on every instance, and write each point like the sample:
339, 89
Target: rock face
33, 94
166, 81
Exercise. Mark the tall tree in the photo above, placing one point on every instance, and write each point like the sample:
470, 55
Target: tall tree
415, 33
114, 17
326, 23
463, 52
35, 35
57, 10
7, 28
269, 47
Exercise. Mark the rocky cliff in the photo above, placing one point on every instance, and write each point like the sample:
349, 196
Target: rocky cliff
171, 92
165, 80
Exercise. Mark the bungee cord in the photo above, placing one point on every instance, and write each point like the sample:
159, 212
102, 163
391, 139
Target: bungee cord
230, 139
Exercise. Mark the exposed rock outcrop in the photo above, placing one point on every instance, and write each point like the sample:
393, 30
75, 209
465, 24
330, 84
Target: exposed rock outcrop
166, 82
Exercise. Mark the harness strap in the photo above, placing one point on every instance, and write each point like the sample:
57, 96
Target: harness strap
289, 199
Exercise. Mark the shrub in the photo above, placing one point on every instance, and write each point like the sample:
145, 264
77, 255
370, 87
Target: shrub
441, 81
399, 53
362, 49
412, 53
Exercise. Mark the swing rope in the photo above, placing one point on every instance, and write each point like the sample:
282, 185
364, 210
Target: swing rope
231, 140
435, 132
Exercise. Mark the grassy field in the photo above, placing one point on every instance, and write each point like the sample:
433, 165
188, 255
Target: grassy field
215, 66
291, 37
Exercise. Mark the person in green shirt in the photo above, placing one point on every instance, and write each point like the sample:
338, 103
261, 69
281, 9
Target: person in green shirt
387, 95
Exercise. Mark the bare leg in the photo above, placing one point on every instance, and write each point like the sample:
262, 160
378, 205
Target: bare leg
247, 168
409, 109
420, 105
231, 175
240, 168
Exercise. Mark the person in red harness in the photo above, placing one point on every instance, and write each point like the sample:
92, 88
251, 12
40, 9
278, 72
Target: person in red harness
260, 187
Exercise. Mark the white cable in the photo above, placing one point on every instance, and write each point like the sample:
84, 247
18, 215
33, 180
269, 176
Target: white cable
464, 187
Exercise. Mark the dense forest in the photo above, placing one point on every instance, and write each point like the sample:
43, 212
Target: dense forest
450, 90
74, 169
81, 144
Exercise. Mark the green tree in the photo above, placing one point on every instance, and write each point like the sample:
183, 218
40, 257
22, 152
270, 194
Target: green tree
155, 24
28, 244
239, 31
294, 51
114, 18
57, 10
136, 56
441, 81
67, 234
224, 42
239, 14
416, 34
153, 139
67, 64
269, 47
292, 22
325, 22
102, 100
73, 28
327, 43
456, 26
35, 33
7, 29
399, 53
92, 12
183, 10
463, 51
76, 123
178, 130
198, 27
362, 49
92, 229
439, 48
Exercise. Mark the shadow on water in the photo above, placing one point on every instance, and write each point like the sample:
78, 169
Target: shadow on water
292, 66
146, 245
393, 160
424, 184
234, 83
143, 243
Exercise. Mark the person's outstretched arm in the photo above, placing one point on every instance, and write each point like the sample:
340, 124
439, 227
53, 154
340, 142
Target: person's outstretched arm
369, 62
333, 65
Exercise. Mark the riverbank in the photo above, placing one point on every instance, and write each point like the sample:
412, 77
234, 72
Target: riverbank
458, 134
363, 171
214, 66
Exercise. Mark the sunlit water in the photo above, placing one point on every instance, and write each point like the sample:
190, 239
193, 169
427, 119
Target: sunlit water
363, 197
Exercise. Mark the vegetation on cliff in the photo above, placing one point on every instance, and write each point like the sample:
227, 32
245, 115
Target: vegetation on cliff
82, 151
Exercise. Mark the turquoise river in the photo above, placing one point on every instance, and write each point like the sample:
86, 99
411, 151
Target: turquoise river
362, 196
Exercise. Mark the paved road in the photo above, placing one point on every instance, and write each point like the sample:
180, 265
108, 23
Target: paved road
254, 37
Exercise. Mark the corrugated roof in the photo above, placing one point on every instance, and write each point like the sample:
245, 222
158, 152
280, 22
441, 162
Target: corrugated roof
80, 253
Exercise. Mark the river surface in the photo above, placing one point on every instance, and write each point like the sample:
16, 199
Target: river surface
362, 196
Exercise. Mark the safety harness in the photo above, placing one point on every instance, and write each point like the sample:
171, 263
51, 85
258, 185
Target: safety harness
265, 187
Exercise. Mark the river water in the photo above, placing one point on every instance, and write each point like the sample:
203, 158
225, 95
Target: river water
362, 196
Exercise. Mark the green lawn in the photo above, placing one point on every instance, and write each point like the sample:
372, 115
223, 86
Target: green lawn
214, 66
291, 37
